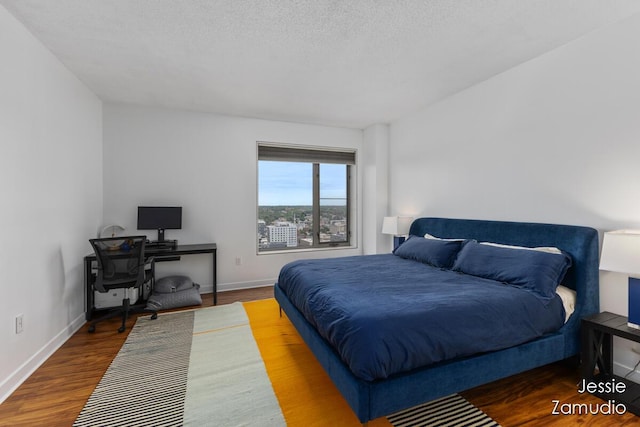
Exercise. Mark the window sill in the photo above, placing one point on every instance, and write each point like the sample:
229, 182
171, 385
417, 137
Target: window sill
288, 251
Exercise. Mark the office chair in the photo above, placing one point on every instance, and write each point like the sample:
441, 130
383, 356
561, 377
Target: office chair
121, 265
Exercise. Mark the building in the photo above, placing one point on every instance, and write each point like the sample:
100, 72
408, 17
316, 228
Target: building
283, 232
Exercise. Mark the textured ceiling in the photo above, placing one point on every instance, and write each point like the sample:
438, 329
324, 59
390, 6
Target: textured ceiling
343, 62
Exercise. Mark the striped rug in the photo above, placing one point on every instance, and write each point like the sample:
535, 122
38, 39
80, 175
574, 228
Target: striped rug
452, 410
146, 382
235, 365
192, 368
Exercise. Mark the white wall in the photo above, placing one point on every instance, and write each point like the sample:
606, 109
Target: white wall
51, 181
374, 162
207, 164
556, 139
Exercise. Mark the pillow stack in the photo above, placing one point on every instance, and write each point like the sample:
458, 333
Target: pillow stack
538, 270
174, 291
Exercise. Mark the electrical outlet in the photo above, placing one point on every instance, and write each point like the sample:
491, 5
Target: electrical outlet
238, 260
19, 323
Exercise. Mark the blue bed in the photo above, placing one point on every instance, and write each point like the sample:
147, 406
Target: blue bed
333, 314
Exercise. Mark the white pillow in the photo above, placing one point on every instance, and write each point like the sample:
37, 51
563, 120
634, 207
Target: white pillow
548, 249
568, 297
429, 236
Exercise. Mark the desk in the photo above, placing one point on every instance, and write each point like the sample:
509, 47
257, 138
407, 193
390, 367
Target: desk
159, 255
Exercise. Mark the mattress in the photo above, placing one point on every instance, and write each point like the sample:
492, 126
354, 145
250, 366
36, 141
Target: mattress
385, 315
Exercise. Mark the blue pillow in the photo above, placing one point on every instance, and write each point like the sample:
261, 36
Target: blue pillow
536, 271
438, 253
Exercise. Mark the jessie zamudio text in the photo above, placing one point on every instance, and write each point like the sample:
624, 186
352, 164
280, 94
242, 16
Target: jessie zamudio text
610, 407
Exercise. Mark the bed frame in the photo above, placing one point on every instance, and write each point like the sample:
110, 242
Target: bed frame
373, 399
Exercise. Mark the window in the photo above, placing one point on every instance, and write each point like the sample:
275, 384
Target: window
303, 197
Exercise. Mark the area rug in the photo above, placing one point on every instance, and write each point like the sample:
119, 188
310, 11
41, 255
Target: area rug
234, 365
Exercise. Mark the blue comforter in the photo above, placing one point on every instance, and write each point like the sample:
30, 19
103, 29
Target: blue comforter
385, 315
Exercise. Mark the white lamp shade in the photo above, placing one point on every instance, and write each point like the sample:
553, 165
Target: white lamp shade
396, 225
621, 252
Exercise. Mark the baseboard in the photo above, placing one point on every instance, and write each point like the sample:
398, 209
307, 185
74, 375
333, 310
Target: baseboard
29, 367
626, 371
236, 286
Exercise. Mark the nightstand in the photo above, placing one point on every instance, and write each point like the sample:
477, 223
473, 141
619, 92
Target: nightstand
597, 352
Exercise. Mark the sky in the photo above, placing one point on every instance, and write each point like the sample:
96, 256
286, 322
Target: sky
291, 183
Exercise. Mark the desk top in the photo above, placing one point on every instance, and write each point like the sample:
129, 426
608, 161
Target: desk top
198, 248
183, 249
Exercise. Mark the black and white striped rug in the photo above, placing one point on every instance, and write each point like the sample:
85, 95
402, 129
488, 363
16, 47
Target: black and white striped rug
451, 411
192, 368
146, 383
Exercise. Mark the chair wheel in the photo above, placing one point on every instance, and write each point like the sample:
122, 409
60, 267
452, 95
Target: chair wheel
154, 316
92, 329
121, 329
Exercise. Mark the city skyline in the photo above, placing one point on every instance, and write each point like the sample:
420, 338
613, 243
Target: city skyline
294, 226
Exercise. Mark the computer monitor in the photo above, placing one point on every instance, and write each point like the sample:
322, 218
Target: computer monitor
159, 218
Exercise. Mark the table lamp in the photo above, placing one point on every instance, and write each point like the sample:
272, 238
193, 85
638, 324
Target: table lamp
398, 226
621, 254
110, 231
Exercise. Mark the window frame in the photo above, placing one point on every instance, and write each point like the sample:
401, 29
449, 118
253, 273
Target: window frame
316, 156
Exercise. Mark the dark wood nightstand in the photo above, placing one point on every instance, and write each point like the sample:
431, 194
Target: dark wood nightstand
597, 352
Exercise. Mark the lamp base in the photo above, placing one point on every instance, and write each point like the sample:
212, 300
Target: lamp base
398, 240
634, 303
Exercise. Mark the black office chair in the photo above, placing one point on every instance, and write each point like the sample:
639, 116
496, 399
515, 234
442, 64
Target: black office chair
121, 265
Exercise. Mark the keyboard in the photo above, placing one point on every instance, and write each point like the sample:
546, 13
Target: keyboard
161, 248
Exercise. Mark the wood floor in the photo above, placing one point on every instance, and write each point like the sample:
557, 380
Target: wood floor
58, 390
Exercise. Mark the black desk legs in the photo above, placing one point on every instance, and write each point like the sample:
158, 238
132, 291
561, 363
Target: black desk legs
88, 289
215, 281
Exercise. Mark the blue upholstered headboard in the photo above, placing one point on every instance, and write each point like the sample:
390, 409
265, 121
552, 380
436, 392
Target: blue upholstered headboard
579, 242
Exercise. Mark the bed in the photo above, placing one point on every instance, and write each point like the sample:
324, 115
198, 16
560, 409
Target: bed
338, 313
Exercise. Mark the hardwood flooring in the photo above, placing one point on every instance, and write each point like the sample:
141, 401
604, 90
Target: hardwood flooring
58, 390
